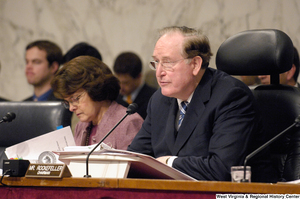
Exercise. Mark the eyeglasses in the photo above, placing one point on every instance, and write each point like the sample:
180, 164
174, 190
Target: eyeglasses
167, 65
73, 100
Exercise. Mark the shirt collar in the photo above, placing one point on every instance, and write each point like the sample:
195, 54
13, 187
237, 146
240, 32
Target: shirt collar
188, 100
43, 97
135, 93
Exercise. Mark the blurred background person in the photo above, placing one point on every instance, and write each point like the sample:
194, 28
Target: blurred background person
287, 78
43, 59
89, 89
79, 49
128, 69
250, 81
2, 99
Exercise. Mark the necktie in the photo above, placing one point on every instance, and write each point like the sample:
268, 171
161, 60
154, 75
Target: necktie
182, 112
128, 100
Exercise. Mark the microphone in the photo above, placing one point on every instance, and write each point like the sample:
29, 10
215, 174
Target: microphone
132, 108
10, 116
296, 123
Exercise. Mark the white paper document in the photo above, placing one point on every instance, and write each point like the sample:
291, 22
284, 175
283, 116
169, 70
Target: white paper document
31, 149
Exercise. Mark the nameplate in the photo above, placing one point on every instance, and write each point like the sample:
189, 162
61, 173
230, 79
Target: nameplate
48, 171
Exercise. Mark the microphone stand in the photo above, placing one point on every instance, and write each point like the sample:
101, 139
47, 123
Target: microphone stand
296, 123
128, 112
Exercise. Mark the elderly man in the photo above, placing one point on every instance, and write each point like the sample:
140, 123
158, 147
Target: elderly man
201, 121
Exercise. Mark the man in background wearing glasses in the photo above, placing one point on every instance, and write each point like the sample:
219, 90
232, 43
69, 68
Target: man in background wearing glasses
201, 121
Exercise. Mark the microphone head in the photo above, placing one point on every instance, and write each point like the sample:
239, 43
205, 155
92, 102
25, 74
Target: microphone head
297, 121
132, 108
10, 116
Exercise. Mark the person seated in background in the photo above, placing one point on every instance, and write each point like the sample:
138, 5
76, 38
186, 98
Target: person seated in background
80, 49
251, 81
287, 78
201, 121
43, 59
2, 99
89, 89
128, 69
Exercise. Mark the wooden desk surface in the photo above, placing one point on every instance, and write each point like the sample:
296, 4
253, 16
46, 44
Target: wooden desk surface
165, 185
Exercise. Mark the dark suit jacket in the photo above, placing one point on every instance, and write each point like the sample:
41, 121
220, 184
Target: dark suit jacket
215, 133
141, 100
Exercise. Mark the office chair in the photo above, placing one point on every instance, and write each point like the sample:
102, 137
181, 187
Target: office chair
32, 119
269, 52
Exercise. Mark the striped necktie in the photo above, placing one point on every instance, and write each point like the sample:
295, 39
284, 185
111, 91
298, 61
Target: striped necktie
182, 112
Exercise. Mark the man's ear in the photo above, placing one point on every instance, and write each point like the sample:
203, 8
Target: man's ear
196, 64
54, 67
291, 72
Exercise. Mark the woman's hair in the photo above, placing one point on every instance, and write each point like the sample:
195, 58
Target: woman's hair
88, 73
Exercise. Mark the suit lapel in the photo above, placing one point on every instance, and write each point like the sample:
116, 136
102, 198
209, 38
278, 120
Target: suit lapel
139, 98
188, 125
194, 112
170, 125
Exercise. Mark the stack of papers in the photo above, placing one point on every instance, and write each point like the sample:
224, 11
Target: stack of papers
33, 148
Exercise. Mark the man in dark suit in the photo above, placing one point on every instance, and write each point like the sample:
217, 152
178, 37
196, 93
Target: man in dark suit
43, 59
215, 131
128, 69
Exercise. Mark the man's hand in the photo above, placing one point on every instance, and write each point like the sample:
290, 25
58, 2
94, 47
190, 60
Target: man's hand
163, 159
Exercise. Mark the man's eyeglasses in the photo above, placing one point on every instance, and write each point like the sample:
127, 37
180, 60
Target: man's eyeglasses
167, 65
73, 100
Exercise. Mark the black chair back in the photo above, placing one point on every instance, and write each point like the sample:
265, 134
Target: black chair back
32, 119
269, 52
